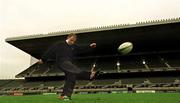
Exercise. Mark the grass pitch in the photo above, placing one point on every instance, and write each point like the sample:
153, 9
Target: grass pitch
97, 98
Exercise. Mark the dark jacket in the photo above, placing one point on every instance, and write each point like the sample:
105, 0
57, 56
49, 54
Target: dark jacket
61, 52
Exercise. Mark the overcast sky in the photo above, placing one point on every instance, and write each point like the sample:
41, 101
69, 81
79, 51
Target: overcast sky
25, 17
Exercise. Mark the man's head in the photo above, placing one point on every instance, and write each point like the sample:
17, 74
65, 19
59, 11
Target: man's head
71, 39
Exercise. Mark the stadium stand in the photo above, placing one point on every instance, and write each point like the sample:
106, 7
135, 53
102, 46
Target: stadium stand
153, 65
130, 82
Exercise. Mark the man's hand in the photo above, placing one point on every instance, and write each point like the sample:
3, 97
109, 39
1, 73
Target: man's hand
40, 61
93, 45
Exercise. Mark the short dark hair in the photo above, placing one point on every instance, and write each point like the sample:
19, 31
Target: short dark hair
71, 34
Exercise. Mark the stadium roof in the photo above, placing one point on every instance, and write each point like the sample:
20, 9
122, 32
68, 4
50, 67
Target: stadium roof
149, 36
95, 29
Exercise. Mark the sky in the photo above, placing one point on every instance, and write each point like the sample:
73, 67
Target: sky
27, 17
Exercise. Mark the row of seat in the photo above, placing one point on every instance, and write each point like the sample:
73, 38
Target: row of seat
115, 64
84, 84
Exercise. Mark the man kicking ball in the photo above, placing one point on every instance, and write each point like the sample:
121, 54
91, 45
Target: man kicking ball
63, 54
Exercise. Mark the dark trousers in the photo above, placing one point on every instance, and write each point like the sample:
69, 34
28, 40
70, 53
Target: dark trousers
70, 82
71, 74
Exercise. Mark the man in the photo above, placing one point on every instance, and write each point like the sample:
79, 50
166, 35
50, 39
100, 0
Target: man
63, 54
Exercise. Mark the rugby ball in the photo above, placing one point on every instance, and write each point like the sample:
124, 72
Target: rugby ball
125, 48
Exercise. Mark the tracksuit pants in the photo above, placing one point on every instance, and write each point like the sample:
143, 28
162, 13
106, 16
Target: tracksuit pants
71, 74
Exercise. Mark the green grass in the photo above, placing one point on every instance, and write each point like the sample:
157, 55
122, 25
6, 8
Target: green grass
97, 98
